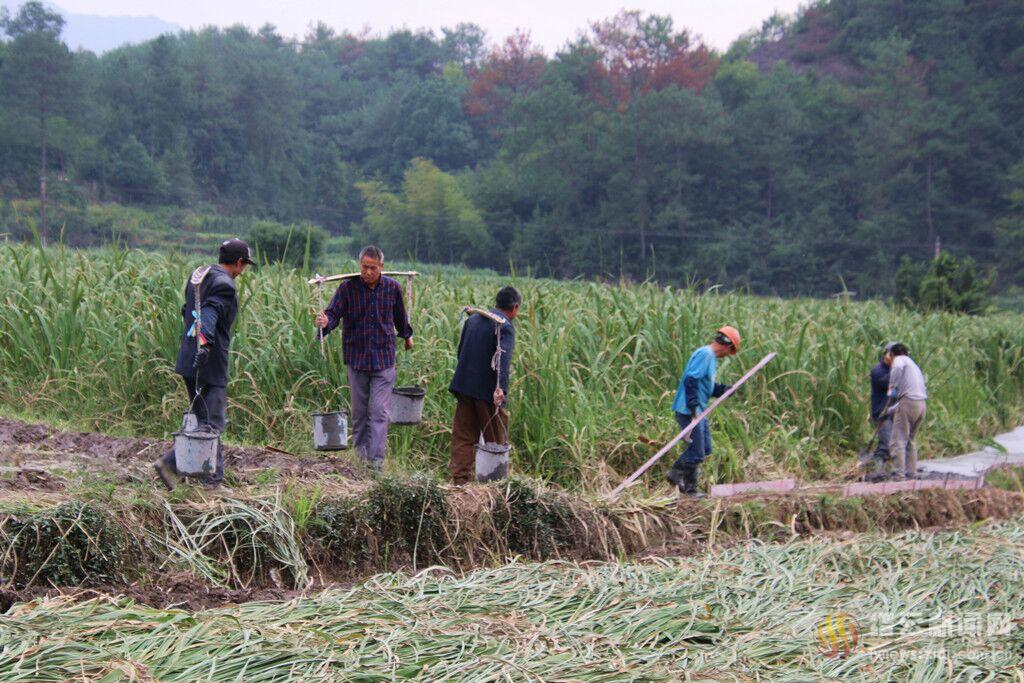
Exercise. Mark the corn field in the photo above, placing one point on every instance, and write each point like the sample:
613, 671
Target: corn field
89, 338
916, 607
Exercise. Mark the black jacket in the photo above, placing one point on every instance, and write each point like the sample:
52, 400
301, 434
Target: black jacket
473, 374
219, 306
879, 388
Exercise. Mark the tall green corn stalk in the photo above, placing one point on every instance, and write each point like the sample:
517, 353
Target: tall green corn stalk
91, 336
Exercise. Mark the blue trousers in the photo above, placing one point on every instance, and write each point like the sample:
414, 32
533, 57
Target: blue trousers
699, 446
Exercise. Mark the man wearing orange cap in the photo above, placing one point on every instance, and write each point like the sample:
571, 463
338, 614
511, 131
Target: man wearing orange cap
696, 387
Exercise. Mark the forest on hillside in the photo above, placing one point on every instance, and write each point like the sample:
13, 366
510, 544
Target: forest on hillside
817, 153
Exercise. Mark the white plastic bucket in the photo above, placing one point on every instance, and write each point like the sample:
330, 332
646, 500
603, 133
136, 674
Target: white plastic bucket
330, 431
195, 453
407, 405
492, 461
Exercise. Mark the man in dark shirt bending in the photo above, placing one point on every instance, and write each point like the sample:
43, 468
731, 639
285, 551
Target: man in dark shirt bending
371, 311
879, 417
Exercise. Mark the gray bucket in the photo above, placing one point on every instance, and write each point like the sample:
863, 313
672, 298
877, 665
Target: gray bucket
189, 422
492, 461
407, 405
330, 431
196, 452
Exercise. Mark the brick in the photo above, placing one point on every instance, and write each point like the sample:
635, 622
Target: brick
887, 487
774, 485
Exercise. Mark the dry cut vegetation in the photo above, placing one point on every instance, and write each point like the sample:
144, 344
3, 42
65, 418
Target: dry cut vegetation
928, 607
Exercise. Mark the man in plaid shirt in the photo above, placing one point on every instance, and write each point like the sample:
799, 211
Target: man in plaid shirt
371, 310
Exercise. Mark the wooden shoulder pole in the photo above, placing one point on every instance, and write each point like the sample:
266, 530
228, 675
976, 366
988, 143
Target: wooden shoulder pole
320, 279
494, 317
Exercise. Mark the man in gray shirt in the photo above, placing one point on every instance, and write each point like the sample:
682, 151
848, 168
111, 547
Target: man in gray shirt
908, 397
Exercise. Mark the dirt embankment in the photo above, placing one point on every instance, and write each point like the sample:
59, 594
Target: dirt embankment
199, 549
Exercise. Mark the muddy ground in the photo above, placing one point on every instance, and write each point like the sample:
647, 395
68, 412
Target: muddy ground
34, 456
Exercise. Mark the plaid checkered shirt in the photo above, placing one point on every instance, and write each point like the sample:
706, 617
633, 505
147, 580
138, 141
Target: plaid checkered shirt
370, 318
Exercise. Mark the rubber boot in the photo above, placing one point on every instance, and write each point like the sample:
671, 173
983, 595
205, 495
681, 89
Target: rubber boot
689, 485
674, 477
165, 474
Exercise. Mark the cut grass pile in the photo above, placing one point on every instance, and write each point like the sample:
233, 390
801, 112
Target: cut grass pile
90, 337
928, 607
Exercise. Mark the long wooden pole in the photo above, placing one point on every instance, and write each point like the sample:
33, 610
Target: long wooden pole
320, 279
470, 310
321, 330
689, 428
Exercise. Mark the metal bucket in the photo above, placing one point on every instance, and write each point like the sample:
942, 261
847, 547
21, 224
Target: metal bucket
492, 461
330, 431
407, 405
196, 452
189, 422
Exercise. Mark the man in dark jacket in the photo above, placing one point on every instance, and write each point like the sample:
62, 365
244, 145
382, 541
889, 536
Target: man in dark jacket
480, 383
203, 352
879, 417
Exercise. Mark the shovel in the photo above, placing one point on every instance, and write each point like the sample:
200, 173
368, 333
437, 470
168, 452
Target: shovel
867, 453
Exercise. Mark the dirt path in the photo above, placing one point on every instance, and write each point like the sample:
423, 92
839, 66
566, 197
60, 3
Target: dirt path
37, 456
1011, 452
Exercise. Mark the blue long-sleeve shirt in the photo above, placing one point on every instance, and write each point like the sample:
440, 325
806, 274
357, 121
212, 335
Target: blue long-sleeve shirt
697, 384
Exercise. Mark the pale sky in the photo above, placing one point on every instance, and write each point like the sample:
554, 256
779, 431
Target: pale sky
551, 23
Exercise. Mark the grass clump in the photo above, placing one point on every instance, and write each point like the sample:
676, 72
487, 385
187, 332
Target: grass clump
527, 524
235, 543
72, 544
1008, 478
393, 523
407, 517
337, 527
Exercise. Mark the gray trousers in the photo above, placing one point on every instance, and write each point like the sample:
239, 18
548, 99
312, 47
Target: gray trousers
370, 393
211, 411
905, 423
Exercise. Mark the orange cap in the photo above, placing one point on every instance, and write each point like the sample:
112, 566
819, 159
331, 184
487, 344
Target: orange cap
734, 336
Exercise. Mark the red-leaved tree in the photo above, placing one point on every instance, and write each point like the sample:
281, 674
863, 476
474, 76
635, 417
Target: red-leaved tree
511, 70
643, 53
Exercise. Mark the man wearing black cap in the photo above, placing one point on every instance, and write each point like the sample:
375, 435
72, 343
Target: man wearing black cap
203, 353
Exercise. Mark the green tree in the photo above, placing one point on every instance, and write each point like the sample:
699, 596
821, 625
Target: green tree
1010, 229
36, 77
136, 175
948, 284
432, 220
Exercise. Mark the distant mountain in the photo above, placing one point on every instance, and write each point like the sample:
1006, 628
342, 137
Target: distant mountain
101, 33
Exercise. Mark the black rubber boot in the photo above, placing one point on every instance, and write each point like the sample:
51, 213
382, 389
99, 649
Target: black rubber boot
689, 485
674, 477
165, 474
